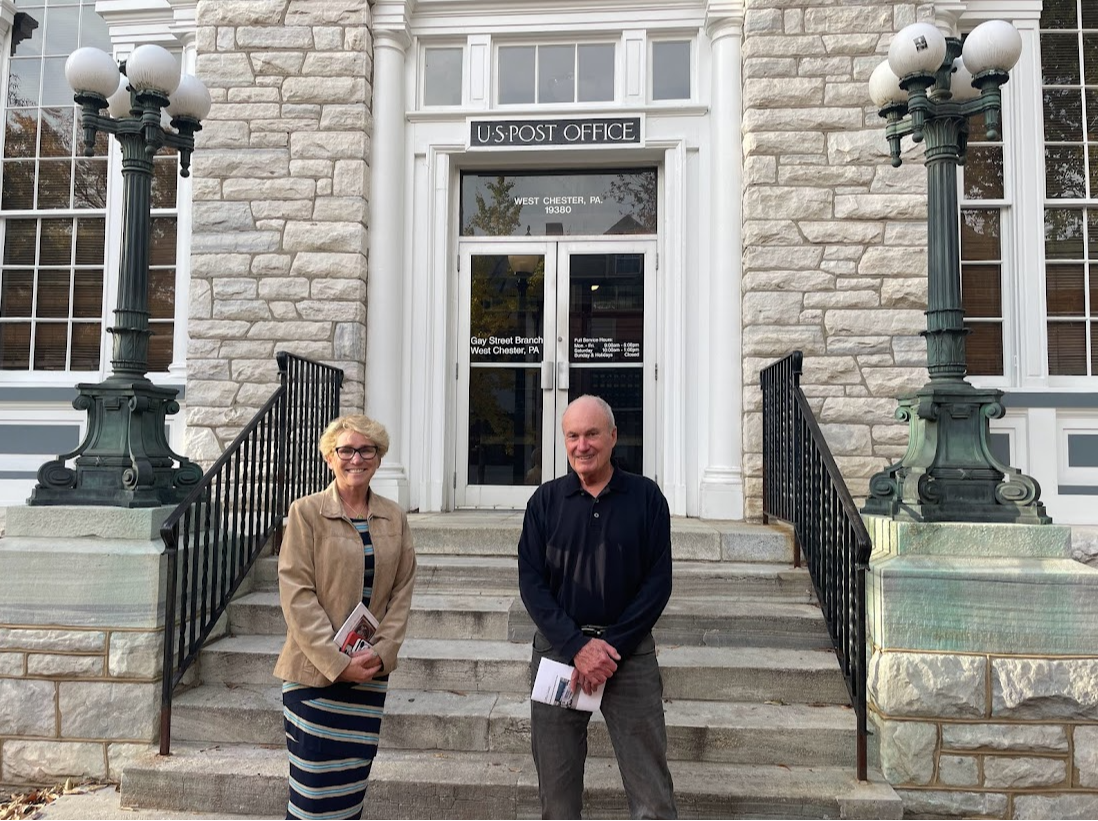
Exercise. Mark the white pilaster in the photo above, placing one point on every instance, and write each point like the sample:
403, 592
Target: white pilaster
722, 481
385, 279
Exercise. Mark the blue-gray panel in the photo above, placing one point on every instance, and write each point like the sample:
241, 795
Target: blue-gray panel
1050, 400
1077, 490
1000, 446
18, 474
23, 438
1082, 450
17, 393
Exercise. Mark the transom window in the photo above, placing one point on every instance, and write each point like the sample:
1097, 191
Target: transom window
671, 70
1069, 80
564, 73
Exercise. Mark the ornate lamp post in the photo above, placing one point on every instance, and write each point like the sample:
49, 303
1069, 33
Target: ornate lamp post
124, 459
928, 89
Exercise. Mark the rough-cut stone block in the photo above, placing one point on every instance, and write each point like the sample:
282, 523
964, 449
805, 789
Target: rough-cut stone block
1006, 737
1086, 755
268, 36
850, 440
838, 19
927, 684
330, 237
136, 655
879, 206
1008, 772
842, 231
91, 710
868, 410
1045, 688
341, 90
771, 308
951, 803
11, 664
47, 762
1056, 805
223, 70
958, 771
907, 751
39, 664
872, 322
969, 539
26, 708
70, 641
787, 202
122, 755
328, 145
784, 91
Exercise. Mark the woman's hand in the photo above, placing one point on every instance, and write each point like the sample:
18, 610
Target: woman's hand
363, 667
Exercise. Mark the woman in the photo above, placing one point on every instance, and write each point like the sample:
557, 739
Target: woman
343, 545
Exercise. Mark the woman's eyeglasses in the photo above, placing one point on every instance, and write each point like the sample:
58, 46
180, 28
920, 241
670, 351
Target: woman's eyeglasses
346, 452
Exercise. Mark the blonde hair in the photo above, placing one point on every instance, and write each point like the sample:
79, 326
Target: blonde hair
362, 425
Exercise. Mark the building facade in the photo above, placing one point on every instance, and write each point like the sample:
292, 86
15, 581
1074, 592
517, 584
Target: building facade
480, 209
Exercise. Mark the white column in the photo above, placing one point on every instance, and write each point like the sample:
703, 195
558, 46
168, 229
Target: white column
385, 276
184, 199
722, 479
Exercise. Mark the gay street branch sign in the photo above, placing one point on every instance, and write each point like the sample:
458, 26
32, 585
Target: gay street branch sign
594, 132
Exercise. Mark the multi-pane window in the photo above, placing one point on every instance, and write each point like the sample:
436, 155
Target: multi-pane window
1069, 79
981, 251
564, 73
53, 206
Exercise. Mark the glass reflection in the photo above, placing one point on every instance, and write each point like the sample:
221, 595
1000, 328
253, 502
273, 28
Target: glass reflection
1064, 177
606, 307
1063, 114
984, 348
1067, 348
623, 389
556, 74
507, 308
1063, 233
559, 204
595, 75
505, 408
516, 75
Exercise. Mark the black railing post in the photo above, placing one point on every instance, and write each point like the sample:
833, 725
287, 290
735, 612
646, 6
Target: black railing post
803, 486
235, 511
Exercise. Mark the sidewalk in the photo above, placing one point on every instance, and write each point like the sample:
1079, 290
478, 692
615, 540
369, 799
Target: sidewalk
104, 804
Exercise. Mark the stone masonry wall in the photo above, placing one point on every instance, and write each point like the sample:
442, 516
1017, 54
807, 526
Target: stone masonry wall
834, 237
987, 735
281, 179
62, 693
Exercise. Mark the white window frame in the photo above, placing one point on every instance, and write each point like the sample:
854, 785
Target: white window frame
600, 39
691, 39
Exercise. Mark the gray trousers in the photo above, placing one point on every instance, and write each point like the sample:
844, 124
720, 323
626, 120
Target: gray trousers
632, 705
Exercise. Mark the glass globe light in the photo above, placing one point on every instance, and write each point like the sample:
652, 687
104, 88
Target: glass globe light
118, 104
152, 68
961, 82
190, 99
995, 44
918, 48
884, 86
92, 69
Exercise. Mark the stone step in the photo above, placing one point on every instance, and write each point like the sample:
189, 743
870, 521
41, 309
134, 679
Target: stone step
701, 673
712, 621
251, 780
737, 732
496, 533
497, 575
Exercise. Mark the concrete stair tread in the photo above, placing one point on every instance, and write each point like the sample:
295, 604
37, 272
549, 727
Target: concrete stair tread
482, 649
701, 605
448, 703
499, 785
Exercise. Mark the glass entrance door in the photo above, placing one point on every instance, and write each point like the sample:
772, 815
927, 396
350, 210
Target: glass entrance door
542, 323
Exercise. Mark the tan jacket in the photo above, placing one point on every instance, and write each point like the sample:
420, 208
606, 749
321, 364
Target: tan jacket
320, 575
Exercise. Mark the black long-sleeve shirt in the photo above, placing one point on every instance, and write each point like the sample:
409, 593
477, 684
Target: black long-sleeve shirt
601, 561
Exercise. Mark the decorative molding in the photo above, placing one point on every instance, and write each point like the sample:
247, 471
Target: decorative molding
391, 21
723, 17
170, 23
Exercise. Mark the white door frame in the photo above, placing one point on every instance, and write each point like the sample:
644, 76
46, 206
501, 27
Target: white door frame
555, 365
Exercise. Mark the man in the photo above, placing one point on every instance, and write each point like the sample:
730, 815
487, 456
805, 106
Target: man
595, 574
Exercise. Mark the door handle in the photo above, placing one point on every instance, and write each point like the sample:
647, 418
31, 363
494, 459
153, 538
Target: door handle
562, 375
548, 372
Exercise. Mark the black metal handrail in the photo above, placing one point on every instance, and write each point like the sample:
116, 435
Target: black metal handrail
214, 536
803, 486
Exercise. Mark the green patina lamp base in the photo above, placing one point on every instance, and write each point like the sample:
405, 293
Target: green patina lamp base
124, 459
949, 473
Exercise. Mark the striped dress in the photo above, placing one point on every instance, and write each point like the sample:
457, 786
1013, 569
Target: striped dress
332, 732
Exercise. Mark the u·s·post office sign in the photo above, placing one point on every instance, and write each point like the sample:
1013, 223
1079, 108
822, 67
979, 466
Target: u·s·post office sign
573, 132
